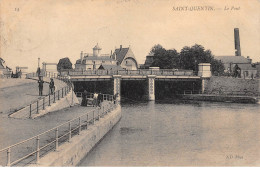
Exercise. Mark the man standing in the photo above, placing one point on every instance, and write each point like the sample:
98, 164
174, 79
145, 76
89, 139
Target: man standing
84, 98
39, 73
51, 85
40, 82
99, 99
95, 96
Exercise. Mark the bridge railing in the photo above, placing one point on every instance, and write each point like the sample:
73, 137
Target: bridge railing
107, 97
140, 72
190, 92
30, 151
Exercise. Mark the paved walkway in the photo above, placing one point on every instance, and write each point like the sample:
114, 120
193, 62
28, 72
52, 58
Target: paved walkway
18, 93
15, 130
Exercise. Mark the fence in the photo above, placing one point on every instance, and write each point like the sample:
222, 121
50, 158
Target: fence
142, 72
42, 103
32, 149
107, 97
190, 92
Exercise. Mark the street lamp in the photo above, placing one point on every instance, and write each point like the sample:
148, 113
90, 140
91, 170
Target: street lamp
72, 89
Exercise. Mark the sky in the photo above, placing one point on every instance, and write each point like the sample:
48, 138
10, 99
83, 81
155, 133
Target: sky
54, 29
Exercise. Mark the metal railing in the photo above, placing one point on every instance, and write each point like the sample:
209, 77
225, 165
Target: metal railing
190, 92
141, 72
107, 97
40, 104
31, 150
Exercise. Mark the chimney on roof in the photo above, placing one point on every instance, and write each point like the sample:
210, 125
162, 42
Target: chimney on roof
120, 47
249, 59
237, 42
81, 56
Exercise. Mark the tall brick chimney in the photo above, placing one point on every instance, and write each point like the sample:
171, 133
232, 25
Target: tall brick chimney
237, 42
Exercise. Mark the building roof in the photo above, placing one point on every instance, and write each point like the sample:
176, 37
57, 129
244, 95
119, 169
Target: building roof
232, 59
110, 67
102, 58
246, 67
151, 54
120, 54
2, 66
97, 47
98, 58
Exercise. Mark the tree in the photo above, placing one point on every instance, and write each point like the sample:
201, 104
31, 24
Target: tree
217, 67
165, 59
190, 57
64, 63
156, 48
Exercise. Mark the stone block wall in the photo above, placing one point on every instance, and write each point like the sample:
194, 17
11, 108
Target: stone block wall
233, 86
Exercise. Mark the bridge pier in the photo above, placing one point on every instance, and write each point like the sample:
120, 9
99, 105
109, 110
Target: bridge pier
205, 73
117, 86
151, 88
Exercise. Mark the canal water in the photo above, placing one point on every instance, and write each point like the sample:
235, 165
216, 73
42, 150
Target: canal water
181, 133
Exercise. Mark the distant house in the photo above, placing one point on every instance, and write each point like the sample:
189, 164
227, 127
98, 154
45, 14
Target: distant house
148, 61
257, 66
110, 67
245, 64
89, 61
4, 70
122, 57
125, 58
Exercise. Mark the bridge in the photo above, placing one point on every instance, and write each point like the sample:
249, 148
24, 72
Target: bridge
150, 76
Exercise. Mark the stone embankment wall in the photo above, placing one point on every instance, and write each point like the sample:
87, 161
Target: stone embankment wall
71, 153
234, 86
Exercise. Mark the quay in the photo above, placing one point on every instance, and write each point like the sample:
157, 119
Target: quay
28, 142
220, 98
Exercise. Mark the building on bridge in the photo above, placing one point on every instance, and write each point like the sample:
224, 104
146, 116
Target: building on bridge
122, 57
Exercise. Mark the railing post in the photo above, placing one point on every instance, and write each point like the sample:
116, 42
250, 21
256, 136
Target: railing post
54, 97
37, 150
69, 131
62, 93
58, 94
43, 104
57, 139
37, 107
49, 100
87, 122
93, 117
30, 115
98, 114
79, 125
8, 157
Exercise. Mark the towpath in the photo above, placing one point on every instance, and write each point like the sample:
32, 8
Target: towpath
18, 93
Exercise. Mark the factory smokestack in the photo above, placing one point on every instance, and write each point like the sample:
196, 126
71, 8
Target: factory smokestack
237, 42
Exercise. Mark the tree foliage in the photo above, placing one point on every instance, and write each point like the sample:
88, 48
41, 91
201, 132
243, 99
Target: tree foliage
64, 63
188, 58
165, 59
